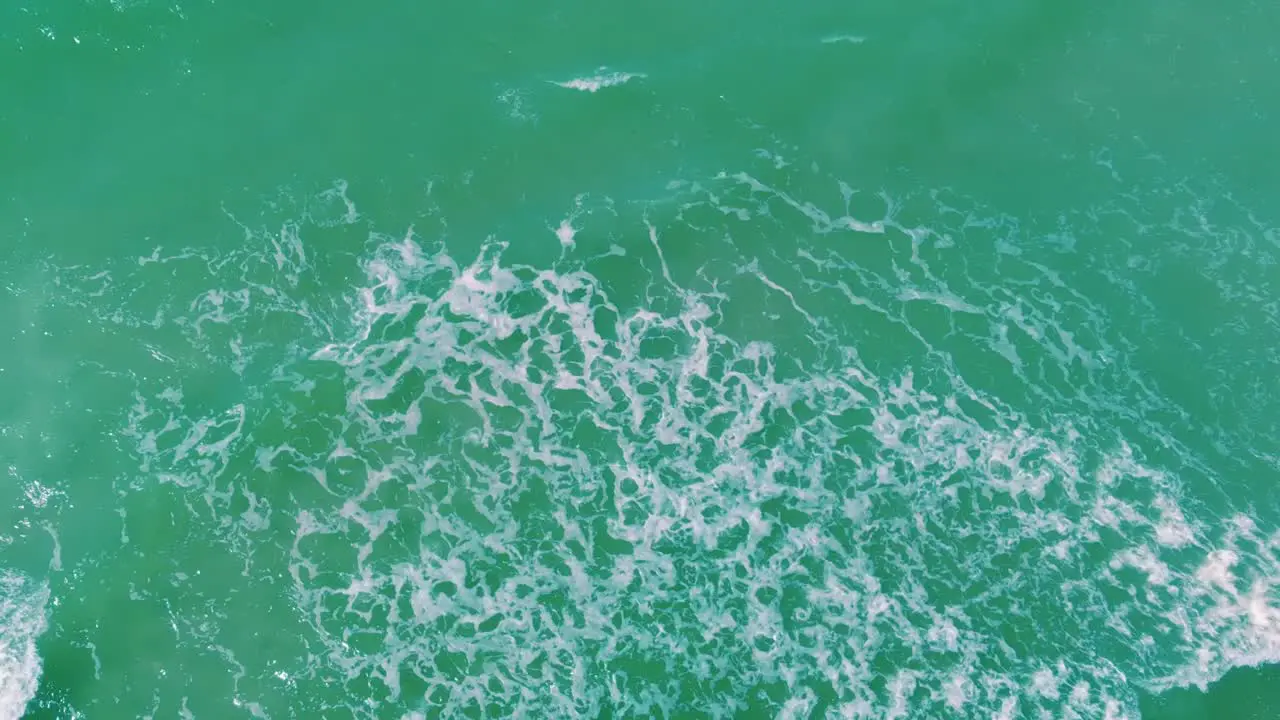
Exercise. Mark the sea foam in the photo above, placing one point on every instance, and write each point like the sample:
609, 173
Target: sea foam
22, 621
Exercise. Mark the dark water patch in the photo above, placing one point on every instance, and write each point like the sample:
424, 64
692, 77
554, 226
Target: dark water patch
1248, 693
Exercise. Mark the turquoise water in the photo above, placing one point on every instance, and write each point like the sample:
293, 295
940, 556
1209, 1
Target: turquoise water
669, 360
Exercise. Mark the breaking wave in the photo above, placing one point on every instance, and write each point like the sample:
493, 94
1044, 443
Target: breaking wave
22, 621
764, 443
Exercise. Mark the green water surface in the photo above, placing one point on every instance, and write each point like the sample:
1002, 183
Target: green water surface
891, 359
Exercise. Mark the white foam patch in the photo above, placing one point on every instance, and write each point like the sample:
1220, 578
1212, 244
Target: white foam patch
844, 39
601, 80
22, 621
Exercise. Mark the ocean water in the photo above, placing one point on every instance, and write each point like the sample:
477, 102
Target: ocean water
607, 360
